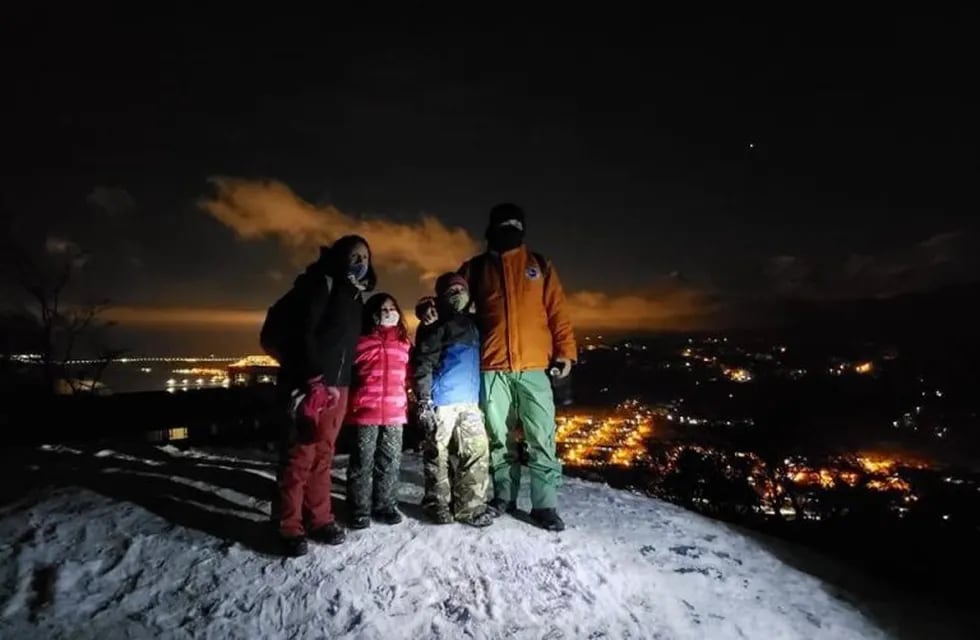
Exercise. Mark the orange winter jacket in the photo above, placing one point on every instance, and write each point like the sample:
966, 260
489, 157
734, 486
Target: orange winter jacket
521, 310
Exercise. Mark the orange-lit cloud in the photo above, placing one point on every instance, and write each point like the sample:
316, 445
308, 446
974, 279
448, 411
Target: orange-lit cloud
683, 308
188, 317
256, 209
590, 310
268, 208
198, 318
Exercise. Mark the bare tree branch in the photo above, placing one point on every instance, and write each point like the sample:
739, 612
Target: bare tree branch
46, 279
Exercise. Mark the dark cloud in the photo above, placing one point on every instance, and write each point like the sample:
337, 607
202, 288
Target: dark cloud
789, 275
666, 304
65, 251
946, 247
60, 246
943, 258
112, 201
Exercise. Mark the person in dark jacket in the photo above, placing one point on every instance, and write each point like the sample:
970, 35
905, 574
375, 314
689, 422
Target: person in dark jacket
315, 373
446, 373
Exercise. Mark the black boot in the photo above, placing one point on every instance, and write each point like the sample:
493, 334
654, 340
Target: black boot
482, 519
547, 519
360, 522
293, 546
388, 516
498, 507
439, 515
332, 534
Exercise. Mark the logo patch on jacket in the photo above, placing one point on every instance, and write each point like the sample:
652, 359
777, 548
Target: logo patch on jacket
533, 272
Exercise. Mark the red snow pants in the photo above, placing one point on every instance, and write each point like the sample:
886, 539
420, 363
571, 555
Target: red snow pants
304, 475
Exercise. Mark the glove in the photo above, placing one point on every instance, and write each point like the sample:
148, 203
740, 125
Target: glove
426, 412
333, 397
314, 401
318, 397
561, 368
425, 310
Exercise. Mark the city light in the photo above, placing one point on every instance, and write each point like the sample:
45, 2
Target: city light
254, 361
737, 374
624, 438
33, 358
618, 438
864, 368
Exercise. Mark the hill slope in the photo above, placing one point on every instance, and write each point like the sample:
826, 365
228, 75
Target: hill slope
168, 543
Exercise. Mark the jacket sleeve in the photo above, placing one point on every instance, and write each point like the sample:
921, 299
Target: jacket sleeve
312, 316
409, 369
425, 357
556, 306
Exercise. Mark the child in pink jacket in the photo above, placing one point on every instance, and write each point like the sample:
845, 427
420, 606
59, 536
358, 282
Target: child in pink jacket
378, 409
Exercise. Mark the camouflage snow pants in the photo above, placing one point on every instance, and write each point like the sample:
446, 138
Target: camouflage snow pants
372, 472
457, 431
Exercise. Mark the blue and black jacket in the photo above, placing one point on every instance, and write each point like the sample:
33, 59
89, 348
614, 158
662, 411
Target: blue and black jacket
446, 360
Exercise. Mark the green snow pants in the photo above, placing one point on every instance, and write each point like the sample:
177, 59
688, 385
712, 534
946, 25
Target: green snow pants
526, 397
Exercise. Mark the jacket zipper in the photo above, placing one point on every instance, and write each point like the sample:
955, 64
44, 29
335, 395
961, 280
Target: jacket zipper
384, 377
343, 357
503, 284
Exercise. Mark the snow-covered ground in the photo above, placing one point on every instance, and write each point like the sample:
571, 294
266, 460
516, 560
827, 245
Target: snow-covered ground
165, 543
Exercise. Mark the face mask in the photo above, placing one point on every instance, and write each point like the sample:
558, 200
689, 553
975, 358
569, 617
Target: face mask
358, 271
458, 301
388, 319
505, 238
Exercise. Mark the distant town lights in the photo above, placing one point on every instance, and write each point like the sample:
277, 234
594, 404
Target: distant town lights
36, 357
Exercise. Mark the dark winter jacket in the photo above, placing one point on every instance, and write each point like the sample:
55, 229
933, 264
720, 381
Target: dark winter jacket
328, 320
446, 361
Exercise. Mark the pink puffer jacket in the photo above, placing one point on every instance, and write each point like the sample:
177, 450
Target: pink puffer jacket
378, 391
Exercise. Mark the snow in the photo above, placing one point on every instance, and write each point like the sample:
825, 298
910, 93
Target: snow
164, 542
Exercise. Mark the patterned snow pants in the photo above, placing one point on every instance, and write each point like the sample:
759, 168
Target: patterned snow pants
372, 472
458, 432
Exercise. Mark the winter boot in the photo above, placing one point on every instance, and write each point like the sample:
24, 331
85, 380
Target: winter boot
439, 515
547, 519
388, 516
498, 506
293, 546
360, 522
332, 534
482, 519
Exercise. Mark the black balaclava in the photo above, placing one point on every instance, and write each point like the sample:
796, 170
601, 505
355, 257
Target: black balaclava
506, 228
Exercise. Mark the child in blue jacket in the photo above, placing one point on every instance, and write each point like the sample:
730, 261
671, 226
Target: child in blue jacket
446, 366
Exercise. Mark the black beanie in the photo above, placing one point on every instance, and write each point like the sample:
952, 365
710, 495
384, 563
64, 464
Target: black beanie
506, 211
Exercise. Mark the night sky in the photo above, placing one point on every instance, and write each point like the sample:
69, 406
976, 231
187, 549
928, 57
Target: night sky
677, 174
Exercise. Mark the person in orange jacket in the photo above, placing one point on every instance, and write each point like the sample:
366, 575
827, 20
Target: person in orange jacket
525, 330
